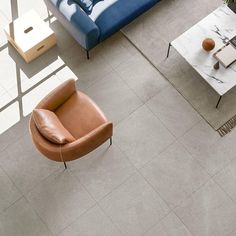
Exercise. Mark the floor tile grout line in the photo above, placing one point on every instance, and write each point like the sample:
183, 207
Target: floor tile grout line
146, 57
149, 184
125, 180
42, 180
31, 208
58, 170
186, 131
12, 204
140, 98
155, 224
183, 200
111, 220
224, 191
18, 190
190, 231
16, 141
174, 136
199, 163
35, 211
112, 71
224, 167
95, 201
193, 193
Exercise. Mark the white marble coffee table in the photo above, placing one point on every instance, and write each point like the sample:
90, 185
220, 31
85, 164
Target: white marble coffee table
220, 25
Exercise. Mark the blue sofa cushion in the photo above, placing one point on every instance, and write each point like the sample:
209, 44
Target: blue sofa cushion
86, 5
111, 15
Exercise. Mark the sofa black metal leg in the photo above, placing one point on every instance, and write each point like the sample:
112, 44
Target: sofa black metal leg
87, 53
49, 17
65, 165
110, 141
168, 50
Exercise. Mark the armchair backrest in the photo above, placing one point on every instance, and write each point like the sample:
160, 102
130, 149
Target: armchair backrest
58, 96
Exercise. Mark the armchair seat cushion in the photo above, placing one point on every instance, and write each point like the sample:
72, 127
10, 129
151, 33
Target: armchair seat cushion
80, 115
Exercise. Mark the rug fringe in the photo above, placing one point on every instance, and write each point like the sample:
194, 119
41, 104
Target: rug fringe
227, 127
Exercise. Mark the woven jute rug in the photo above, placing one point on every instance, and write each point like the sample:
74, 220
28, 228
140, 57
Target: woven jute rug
151, 34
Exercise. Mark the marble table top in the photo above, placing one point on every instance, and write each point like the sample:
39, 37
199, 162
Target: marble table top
220, 25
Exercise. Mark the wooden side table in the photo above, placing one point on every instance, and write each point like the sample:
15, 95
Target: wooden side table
30, 36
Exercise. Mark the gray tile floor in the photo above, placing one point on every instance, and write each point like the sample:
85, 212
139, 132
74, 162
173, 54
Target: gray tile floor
167, 173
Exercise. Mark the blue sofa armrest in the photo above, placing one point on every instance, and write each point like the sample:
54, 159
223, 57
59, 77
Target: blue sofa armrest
76, 21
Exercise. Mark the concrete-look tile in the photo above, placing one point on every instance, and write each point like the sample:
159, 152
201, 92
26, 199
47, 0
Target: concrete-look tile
233, 233
175, 175
59, 200
113, 51
33, 97
93, 223
15, 132
28, 74
102, 170
134, 207
170, 106
142, 136
5, 98
9, 116
227, 179
6, 9
8, 190
199, 138
218, 155
64, 39
169, 226
7, 70
142, 77
92, 70
209, 211
3, 22
25, 165
20, 219
114, 97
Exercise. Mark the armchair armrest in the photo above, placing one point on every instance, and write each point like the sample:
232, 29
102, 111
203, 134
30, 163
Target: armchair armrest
89, 142
74, 150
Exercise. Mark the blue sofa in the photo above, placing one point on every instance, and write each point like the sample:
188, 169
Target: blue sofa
106, 18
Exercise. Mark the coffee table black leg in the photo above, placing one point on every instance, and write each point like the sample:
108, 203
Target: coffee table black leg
218, 102
168, 51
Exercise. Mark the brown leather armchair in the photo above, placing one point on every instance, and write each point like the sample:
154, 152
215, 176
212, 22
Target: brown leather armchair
80, 116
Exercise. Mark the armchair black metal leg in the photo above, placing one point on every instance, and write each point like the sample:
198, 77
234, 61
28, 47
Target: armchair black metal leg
168, 50
65, 165
110, 141
87, 53
218, 102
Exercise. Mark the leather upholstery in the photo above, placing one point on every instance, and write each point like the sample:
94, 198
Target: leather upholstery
50, 127
80, 116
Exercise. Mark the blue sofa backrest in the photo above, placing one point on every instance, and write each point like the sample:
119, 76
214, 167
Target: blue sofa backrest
89, 30
76, 21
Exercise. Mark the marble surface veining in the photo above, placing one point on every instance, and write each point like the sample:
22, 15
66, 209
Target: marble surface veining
220, 25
